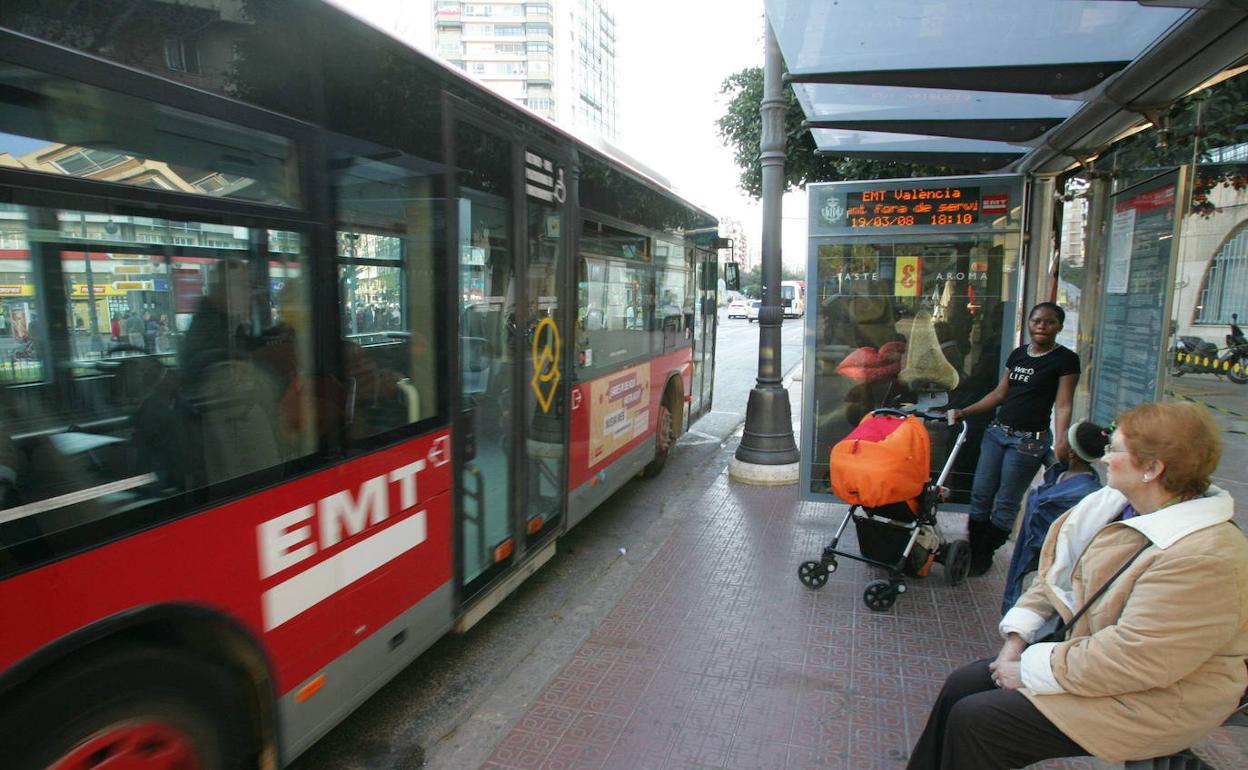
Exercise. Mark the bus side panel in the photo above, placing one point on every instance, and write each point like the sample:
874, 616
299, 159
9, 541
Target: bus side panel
615, 413
311, 567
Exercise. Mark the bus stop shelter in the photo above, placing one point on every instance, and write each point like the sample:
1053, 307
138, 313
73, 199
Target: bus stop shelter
1045, 90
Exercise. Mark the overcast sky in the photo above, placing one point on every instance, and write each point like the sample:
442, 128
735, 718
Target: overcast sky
671, 57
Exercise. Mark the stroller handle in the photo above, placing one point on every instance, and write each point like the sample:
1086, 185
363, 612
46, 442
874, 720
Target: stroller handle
953, 453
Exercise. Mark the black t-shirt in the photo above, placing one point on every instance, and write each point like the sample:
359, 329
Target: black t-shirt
1033, 386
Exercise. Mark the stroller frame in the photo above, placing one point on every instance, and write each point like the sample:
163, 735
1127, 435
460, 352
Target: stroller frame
954, 555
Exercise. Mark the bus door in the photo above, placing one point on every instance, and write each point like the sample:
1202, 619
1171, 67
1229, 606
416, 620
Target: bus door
707, 276
544, 374
511, 307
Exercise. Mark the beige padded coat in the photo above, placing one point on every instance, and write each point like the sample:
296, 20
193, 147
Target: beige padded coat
1159, 660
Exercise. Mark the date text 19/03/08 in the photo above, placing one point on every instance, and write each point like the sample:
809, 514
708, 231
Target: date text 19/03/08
911, 220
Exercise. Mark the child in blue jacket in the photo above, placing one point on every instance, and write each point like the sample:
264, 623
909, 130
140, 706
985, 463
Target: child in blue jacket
1063, 487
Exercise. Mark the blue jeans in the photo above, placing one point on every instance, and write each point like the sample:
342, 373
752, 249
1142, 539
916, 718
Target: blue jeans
1002, 476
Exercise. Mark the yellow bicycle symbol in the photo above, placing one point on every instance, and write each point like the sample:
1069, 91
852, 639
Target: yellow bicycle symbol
546, 349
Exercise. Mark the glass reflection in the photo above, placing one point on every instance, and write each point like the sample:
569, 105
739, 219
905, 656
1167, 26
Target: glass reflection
902, 320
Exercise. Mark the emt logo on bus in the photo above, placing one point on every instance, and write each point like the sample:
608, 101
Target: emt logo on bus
296, 536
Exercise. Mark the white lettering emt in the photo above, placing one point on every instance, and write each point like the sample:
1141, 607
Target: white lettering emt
292, 538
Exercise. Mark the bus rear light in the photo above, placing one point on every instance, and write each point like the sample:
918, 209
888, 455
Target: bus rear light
535, 525
503, 550
310, 689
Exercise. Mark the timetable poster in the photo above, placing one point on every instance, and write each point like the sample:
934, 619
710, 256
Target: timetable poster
1133, 305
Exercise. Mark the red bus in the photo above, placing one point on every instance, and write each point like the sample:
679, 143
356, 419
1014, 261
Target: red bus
310, 349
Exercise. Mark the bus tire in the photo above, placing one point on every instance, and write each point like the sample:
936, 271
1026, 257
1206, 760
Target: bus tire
145, 705
664, 437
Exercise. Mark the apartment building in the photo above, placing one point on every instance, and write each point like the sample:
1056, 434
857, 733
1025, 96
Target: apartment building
557, 57
731, 227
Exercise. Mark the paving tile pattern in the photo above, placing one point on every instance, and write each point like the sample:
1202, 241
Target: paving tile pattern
717, 657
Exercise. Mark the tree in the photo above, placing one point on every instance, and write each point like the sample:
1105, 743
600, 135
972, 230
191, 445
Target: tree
1209, 119
741, 128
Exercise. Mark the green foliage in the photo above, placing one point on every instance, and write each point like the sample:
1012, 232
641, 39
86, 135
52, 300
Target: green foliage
1206, 120
741, 128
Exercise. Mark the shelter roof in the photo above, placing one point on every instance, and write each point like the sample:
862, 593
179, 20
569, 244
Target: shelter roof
1012, 85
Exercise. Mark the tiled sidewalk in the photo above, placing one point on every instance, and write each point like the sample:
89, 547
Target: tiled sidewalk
717, 657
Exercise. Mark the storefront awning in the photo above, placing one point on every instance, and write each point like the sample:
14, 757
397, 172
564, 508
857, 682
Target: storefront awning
1018, 85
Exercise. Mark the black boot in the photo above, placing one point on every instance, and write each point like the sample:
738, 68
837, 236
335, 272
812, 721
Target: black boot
991, 538
975, 532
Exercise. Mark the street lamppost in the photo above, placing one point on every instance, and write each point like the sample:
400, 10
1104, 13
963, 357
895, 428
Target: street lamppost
768, 452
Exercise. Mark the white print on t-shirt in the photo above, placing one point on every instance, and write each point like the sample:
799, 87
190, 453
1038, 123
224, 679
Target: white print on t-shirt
1021, 374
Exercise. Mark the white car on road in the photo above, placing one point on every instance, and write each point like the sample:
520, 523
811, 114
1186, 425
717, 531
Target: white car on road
752, 310
739, 308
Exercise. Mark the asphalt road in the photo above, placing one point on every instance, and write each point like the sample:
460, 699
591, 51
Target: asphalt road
450, 706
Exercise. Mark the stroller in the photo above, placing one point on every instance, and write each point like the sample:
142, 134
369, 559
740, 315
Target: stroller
881, 469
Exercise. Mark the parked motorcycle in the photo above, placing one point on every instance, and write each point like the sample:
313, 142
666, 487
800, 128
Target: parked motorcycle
1193, 355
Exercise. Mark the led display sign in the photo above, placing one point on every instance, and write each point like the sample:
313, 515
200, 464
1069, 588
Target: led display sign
915, 207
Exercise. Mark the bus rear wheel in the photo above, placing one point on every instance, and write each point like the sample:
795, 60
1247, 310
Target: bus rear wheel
665, 436
148, 709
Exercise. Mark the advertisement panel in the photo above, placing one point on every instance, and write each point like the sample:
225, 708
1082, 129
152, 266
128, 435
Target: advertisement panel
619, 410
911, 286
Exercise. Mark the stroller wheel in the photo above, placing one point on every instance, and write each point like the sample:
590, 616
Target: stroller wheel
881, 594
813, 574
957, 561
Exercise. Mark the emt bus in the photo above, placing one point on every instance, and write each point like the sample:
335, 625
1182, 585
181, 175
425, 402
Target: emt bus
793, 298
310, 349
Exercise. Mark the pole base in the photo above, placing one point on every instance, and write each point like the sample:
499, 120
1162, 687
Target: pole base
763, 475
768, 435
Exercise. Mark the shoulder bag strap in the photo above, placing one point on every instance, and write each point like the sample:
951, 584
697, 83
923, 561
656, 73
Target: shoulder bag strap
1074, 618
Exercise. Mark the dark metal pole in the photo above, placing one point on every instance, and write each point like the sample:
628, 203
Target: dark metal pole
768, 438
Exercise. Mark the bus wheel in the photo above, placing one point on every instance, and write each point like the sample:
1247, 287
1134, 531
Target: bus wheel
665, 436
147, 709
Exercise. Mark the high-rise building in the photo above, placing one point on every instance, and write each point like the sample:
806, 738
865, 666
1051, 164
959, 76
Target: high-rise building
557, 57
731, 227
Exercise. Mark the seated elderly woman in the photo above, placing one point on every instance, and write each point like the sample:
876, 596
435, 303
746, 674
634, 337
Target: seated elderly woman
1157, 660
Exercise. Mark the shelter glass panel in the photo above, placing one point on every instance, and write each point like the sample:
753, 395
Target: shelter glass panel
910, 311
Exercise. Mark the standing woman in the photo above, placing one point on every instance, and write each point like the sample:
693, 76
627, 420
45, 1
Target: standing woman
1038, 376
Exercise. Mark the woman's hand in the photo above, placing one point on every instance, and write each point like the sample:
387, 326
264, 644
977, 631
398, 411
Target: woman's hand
1012, 650
1007, 675
1006, 669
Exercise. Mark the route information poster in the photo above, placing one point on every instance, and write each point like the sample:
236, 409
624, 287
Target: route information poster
1128, 348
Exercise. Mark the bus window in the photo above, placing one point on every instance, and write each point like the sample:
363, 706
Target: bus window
616, 297
386, 215
68, 128
171, 361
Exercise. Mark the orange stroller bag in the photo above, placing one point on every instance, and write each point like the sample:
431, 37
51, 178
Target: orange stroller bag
886, 459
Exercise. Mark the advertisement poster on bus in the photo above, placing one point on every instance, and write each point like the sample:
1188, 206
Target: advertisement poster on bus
619, 411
